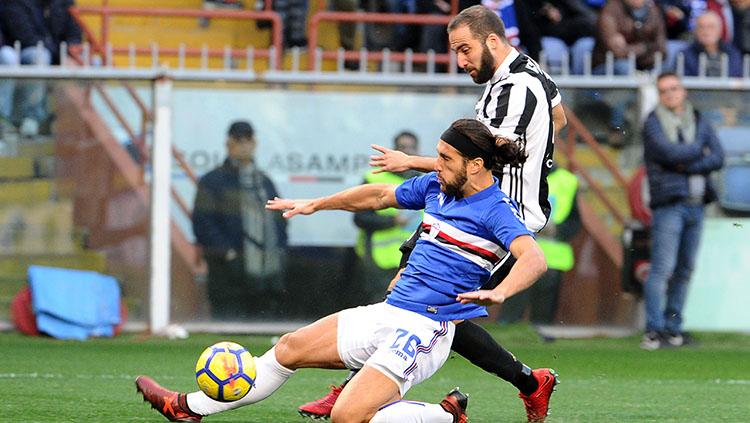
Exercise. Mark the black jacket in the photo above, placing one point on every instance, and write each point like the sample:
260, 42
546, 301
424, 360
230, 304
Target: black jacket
217, 213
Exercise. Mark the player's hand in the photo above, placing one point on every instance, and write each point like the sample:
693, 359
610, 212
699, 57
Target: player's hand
291, 207
389, 160
483, 297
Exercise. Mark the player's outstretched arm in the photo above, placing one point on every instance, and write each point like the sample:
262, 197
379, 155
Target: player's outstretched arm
362, 197
396, 161
530, 265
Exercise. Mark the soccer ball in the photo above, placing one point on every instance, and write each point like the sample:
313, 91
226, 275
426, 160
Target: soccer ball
225, 371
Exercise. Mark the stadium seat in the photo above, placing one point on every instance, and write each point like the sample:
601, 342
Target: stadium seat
674, 47
733, 192
578, 54
555, 52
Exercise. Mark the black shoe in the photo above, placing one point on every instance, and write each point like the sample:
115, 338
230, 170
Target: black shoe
455, 404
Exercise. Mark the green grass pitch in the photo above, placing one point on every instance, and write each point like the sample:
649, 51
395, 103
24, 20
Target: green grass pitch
603, 380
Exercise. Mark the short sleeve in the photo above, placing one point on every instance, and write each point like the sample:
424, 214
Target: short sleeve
552, 92
506, 223
411, 193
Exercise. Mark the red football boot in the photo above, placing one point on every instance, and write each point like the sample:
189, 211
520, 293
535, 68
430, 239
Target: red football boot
172, 405
455, 404
321, 408
537, 404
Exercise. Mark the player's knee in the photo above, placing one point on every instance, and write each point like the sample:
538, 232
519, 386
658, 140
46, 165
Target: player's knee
287, 349
342, 413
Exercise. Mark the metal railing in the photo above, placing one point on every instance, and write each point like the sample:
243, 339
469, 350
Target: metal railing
273, 53
385, 55
408, 57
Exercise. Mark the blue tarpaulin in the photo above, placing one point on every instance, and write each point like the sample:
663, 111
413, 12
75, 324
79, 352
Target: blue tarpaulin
74, 304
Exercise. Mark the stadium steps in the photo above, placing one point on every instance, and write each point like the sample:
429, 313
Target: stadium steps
16, 167
194, 33
36, 223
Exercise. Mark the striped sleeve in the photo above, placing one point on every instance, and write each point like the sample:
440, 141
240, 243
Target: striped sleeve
515, 107
551, 89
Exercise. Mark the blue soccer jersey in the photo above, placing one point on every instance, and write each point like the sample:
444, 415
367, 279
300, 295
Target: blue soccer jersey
460, 242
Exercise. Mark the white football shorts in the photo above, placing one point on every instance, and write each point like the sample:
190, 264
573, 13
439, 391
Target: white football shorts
405, 346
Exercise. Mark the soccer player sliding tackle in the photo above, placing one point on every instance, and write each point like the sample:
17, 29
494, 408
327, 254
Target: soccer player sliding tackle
469, 224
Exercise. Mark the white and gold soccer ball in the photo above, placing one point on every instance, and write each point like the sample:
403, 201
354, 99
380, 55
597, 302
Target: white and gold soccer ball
225, 371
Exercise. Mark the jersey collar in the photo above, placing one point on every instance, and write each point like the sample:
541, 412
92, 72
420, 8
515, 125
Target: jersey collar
485, 193
503, 71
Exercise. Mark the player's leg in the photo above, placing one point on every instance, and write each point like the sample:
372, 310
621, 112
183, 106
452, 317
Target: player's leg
372, 396
311, 346
321, 407
480, 348
452, 409
535, 386
368, 390
409, 348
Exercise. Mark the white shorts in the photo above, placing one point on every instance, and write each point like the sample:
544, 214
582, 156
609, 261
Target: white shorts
405, 346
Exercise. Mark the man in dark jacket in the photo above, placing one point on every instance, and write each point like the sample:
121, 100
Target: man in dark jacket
31, 22
243, 243
681, 149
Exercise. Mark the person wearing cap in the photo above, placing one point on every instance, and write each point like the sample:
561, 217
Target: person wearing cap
243, 244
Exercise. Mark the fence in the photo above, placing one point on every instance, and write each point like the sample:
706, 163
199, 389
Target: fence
439, 95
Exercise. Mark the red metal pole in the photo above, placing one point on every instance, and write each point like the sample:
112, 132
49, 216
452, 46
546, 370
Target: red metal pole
105, 27
312, 40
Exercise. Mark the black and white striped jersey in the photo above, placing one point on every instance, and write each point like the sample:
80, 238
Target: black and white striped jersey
517, 104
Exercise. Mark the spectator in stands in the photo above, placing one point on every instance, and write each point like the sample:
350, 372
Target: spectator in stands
383, 231
676, 17
722, 8
347, 30
741, 19
7, 87
568, 20
681, 149
434, 37
31, 23
625, 27
398, 37
708, 43
520, 30
243, 243
293, 15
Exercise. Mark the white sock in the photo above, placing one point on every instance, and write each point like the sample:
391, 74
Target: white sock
412, 412
269, 377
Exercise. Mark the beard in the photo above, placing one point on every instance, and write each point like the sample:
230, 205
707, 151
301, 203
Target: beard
486, 67
455, 188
